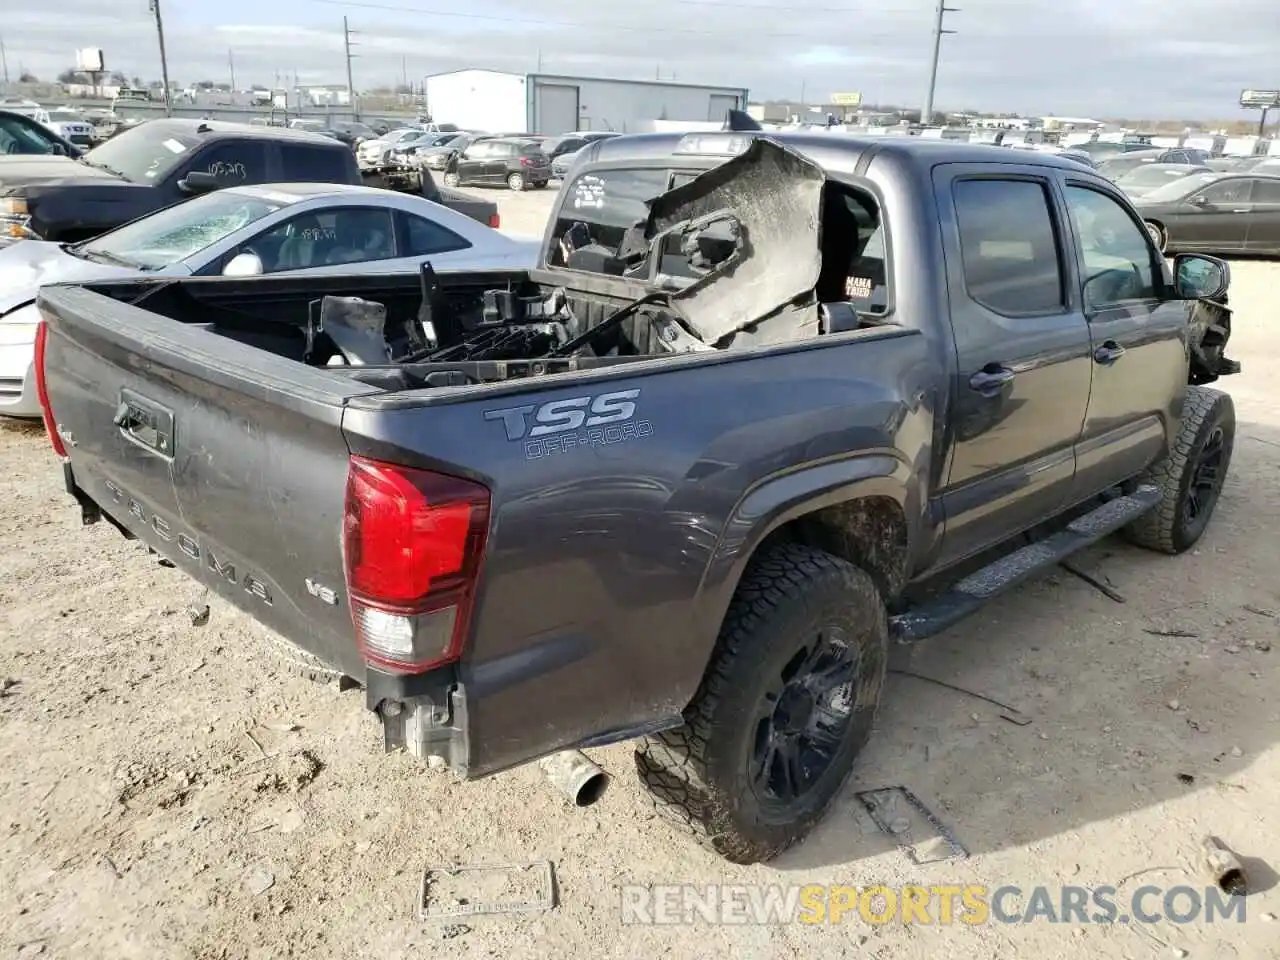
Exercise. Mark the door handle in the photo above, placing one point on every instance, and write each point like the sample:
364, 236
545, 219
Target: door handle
1241, 210
991, 379
1108, 353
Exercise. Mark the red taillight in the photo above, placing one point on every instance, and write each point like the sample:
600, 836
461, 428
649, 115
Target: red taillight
42, 392
413, 541
495, 221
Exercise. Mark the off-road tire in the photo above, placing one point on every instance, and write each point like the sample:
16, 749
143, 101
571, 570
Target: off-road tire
1166, 528
1158, 235
697, 774
452, 180
516, 182
300, 663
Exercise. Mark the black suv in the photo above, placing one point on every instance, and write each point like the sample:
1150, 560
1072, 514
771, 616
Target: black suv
153, 165
517, 163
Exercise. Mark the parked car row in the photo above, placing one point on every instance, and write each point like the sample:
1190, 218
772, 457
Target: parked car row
195, 198
1213, 212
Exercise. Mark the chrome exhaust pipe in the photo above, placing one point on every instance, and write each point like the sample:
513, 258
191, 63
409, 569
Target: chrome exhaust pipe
574, 775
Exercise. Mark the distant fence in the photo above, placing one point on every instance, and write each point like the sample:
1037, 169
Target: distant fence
235, 114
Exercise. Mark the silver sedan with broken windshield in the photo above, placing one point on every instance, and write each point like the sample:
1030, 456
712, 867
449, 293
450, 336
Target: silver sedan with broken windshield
244, 231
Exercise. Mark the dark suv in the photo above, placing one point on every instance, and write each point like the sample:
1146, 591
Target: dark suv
517, 163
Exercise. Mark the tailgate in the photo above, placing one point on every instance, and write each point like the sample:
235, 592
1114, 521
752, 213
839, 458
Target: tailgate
226, 459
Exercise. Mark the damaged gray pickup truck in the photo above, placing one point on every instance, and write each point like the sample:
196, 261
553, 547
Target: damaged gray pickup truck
768, 404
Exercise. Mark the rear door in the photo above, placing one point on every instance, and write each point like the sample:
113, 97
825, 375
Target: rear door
1136, 336
1023, 353
225, 459
1264, 220
500, 162
1216, 217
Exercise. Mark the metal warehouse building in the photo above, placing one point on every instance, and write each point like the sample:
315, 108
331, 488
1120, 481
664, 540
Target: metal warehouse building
543, 103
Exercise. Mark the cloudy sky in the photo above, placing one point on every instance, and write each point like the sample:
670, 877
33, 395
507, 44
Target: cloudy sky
1148, 58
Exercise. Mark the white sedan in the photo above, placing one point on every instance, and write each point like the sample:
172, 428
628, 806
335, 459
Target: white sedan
317, 228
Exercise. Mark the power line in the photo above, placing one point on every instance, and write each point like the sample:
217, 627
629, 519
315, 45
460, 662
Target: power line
619, 27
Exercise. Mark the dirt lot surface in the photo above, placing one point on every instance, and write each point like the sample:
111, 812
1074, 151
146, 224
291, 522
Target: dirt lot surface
169, 791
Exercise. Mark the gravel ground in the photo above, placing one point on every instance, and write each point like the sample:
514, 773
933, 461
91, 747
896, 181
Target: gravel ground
169, 791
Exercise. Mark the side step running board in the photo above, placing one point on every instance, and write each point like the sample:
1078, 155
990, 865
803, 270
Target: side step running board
965, 597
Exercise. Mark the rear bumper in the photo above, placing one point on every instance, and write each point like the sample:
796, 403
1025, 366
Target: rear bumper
426, 715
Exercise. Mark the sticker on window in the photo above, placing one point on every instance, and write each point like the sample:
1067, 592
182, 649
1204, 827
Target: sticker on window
857, 288
174, 146
588, 192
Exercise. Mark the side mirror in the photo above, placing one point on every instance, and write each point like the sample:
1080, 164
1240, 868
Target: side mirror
1199, 201
57, 149
247, 264
196, 182
1197, 277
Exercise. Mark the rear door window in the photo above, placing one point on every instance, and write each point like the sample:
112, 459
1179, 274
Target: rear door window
302, 164
1009, 246
421, 237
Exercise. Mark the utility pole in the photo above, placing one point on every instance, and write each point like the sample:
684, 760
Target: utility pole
4, 56
231, 64
926, 116
351, 87
164, 60
404, 73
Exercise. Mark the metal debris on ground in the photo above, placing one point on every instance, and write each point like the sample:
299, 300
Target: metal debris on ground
1171, 633
483, 889
1260, 611
882, 805
1104, 589
1012, 714
1186, 779
199, 614
1225, 868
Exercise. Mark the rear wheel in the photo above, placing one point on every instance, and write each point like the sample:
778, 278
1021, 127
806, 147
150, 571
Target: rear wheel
516, 181
786, 705
1157, 234
1191, 476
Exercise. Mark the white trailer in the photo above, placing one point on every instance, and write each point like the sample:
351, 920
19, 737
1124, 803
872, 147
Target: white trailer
498, 102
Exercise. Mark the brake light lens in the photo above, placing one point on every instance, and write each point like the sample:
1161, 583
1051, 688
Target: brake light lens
42, 392
495, 221
413, 542
527, 162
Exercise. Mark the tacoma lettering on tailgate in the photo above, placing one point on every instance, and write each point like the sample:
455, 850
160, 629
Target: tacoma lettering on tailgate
575, 423
187, 545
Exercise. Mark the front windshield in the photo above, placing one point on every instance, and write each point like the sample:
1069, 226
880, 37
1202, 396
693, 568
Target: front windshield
177, 232
64, 116
143, 154
1180, 188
